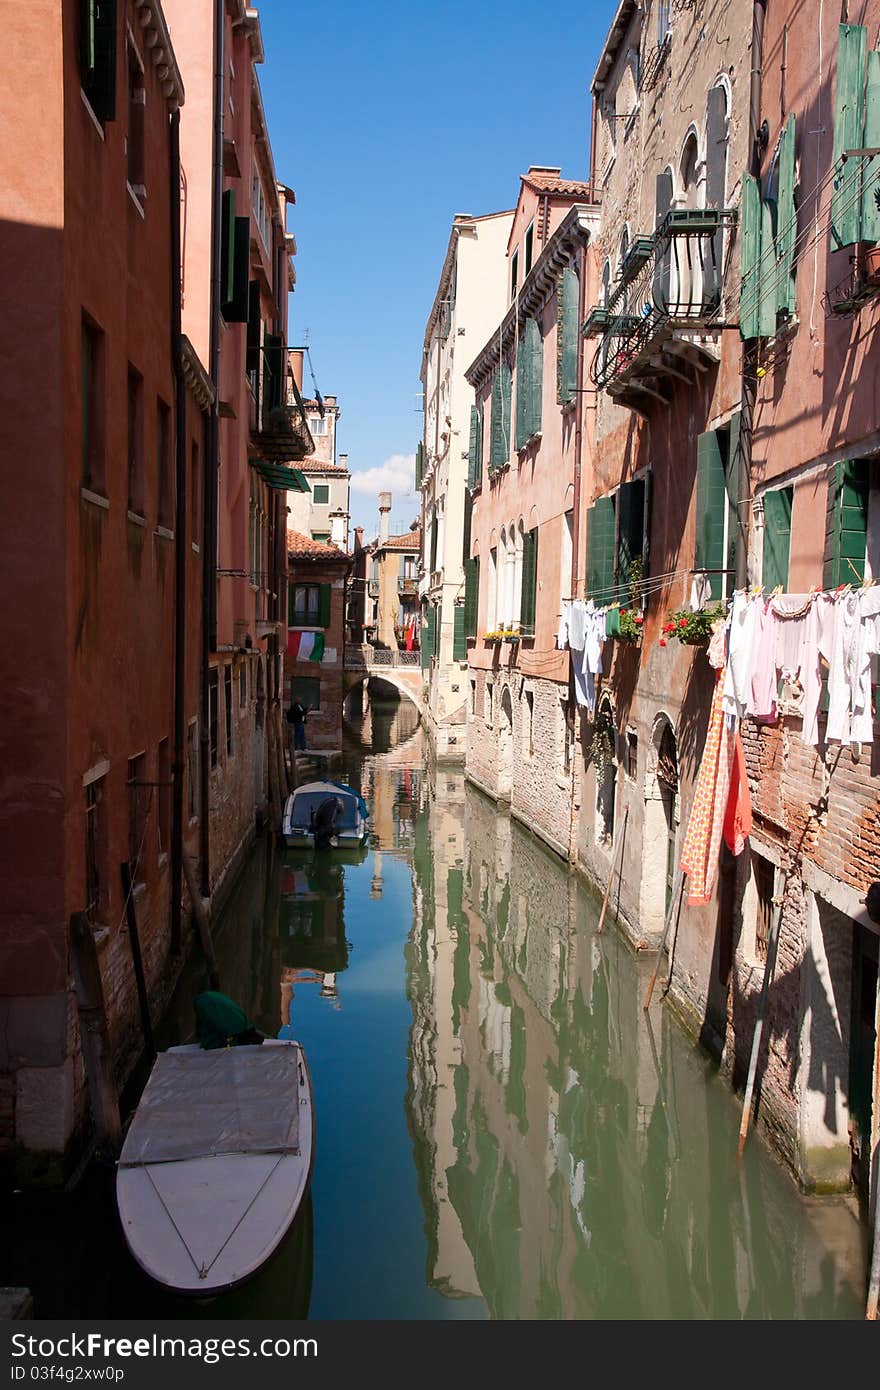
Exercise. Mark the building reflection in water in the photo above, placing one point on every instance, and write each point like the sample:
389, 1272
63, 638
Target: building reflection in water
575, 1159
313, 944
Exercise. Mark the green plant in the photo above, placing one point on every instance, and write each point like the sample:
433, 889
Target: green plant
630, 625
636, 575
601, 747
693, 629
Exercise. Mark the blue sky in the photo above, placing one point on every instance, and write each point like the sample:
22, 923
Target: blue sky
387, 119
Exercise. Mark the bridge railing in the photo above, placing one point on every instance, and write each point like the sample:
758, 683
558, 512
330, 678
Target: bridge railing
363, 657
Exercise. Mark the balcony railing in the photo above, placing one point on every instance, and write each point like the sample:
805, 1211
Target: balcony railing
661, 323
407, 584
373, 588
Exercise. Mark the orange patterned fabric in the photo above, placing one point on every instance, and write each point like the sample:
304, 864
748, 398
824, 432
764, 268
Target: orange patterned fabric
702, 842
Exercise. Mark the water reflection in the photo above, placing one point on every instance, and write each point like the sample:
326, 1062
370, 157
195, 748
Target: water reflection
578, 1160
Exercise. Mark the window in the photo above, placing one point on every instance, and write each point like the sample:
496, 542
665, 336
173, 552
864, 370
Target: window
213, 712
163, 793
471, 596
846, 523
322, 536
499, 448
307, 690
567, 736
317, 425
92, 407
227, 706
765, 888
242, 685
192, 769
514, 273
96, 851
135, 441
97, 55
487, 704
164, 510
308, 605
528, 248
633, 533
632, 753
138, 805
195, 492
261, 212
663, 9
529, 592
134, 140
473, 697
492, 611
320, 494
528, 724
600, 551
719, 488
567, 334
777, 537
475, 447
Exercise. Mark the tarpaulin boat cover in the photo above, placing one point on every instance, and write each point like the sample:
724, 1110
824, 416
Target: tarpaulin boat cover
242, 1100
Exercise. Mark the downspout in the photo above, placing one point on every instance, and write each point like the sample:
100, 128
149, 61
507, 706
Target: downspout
209, 572
749, 384
180, 545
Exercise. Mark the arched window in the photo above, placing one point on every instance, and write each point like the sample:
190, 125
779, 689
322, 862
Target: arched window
606, 283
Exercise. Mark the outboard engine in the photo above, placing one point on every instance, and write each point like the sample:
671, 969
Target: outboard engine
326, 821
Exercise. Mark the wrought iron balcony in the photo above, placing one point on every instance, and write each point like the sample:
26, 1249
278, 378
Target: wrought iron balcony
373, 588
407, 584
662, 322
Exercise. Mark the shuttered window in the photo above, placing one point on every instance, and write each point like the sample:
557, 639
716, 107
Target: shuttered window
273, 358
466, 529
777, 537
500, 442
459, 639
662, 204
528, 601
716, 185
324, 605
631, 536
235, 309
420, 465
767, 274
429, 636
567, 329
97, 56
846, 526
227, 247
716, 521
471, 596
254, 326
849, 125
433, 551
475, 447
786, 220
870, 230
750, 258
600, 551
529, 383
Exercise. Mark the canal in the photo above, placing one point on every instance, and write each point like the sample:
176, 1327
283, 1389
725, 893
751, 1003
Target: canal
501, 1131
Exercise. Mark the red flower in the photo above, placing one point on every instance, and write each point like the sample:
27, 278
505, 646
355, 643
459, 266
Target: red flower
662, 641
682, 622
669, 627
638, 619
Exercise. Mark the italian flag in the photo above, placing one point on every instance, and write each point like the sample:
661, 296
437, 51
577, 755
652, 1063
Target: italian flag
305, 646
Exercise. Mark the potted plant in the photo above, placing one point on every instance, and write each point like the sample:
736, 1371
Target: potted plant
601, 747
510, 634
693, 629
495, 635
630, 625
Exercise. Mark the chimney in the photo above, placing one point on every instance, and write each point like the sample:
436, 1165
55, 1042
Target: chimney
343, 460
384, 515
296, 366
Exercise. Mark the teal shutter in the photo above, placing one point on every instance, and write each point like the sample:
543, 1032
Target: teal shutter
786, 221
663, 192
97, 53
870, 210
429, 635
471, 596
709, 551
716, 190
478, 469
227, 247
420, 465
522, 390
600, 552
535, 388
235, 309
466, 529
529, 594
750, 258
433, 550
849, 125
473, 461
459, 639
777, 537
274, 362
566, 354
324, 592
501, 388
767, 274
252, 359
737, 488
846, 528
630, 533
496, 441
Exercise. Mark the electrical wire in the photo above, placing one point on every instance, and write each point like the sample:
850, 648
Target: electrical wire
134, 866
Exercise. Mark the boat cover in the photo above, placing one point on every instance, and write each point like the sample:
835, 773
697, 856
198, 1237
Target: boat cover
242, 1100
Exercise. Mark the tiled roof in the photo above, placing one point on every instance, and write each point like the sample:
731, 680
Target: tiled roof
301, 547
553, 183
412, 540
320, 466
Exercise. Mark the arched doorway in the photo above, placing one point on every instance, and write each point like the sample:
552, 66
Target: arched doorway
661, 826
505, 747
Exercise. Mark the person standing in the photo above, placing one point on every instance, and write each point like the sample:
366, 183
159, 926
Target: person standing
296, 716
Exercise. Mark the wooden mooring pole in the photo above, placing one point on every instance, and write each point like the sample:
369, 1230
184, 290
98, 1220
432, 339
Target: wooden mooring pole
137, 960
769, 970
669, 916
618, 863
203, 925
94, 1033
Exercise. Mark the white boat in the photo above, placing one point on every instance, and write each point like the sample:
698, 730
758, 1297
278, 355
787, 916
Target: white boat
216, 1163
332, 806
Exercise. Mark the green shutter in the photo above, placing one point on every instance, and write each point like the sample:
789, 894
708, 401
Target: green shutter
420, 465
786, 221
630, 533
716, 178
529, 595
459, 637
767, 274
849, 126
478, 471
600, 552
227, 247
777, 537
846, 529
429, 637
506, 392
252, 359
324, 592
567, 349
471, 596
98, 27
709, 552
737, 488
433, 552
750, 257
522, 393
274, 362
496, 443
870, 210
535, 383
466, 529
472, 446
235, 310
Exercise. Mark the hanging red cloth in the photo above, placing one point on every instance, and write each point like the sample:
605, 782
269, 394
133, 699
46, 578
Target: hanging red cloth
410, 634
293, 641
702, 842
738, 817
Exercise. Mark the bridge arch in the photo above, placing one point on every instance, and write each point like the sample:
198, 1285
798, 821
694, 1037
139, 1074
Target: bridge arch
407, 685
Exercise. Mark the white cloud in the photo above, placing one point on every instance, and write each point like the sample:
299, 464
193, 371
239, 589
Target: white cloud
396, 475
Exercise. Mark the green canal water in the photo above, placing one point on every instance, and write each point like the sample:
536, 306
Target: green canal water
501, 1131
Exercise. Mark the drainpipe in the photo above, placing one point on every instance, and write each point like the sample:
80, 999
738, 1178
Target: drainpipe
180, 538
209, 572
750, 349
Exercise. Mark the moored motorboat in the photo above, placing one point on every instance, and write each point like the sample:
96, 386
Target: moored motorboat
216, 1163
324, 815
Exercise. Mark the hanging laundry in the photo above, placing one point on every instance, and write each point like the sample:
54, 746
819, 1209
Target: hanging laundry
737, 680
702, 843
793, 612
562, 634
701, 592
761, 701
817, 638
612, 621
738, 816
717, 649
850, 719
576, 618
293, 641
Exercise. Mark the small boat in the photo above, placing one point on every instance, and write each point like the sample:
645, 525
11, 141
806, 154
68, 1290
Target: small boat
324, 815
216, 1163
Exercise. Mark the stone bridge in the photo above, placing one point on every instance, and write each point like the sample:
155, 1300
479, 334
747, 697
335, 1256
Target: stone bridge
401, 669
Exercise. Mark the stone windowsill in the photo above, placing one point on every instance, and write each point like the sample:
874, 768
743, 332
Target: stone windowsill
164, 532
136, 517
97, 499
